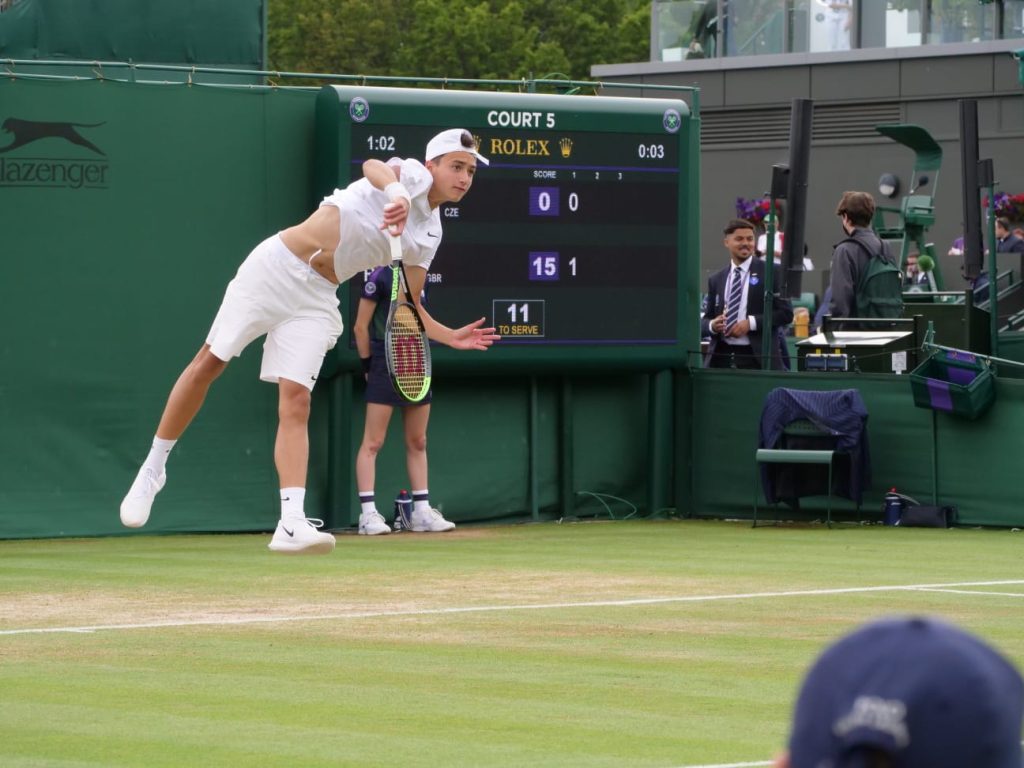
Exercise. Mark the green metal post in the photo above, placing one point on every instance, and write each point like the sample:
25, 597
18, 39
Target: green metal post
340, 461
532, 451
659, 440
993, 309
565, 449
767, 337
685, 417
935, 457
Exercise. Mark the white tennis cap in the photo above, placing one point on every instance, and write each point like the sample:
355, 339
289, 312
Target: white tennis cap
454, 140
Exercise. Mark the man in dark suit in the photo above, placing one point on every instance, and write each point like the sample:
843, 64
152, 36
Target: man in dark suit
1007, 241
734, 313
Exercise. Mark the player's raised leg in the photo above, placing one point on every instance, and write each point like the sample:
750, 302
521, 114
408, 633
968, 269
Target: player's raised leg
183, 404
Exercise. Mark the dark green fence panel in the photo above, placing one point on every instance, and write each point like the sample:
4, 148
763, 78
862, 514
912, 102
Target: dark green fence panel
115, 256
227, 32
970, 464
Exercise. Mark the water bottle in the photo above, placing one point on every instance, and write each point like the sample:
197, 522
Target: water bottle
403, 512
893, 507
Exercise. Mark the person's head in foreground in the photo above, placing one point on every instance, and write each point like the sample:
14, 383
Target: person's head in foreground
908, 693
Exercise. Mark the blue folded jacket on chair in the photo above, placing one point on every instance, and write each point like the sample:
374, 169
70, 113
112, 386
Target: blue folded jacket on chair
838, 413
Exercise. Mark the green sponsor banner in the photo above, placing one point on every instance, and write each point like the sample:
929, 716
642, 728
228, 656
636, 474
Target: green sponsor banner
125, 210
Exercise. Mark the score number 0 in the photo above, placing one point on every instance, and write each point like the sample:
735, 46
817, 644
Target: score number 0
546, 201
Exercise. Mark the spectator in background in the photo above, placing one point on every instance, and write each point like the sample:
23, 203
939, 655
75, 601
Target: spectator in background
780, 226
908, 693
956, 250
838, 16
852, 262
912, 275
735, 305
1007, 241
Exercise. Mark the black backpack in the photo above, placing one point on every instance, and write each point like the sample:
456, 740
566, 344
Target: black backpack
880, 289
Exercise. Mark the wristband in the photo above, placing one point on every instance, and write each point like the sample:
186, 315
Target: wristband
397, 189
366, 363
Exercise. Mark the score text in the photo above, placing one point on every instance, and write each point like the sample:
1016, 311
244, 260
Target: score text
519, 318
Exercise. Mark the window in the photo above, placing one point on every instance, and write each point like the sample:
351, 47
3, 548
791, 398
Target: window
688, 29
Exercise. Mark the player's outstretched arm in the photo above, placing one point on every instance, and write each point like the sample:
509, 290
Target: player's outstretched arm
474, 336
469, 337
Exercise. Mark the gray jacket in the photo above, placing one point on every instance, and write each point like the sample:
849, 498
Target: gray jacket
849, 261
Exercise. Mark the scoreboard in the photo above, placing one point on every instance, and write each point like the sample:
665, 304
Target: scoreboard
571, 242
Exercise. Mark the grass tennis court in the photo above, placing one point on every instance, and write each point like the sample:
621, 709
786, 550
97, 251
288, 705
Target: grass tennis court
650, 644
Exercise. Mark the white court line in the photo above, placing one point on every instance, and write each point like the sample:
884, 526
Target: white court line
971, 592
510, 607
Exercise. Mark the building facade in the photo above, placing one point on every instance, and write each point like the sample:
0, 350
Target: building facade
746, 94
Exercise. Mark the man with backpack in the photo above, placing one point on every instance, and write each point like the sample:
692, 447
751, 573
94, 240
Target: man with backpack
865, 279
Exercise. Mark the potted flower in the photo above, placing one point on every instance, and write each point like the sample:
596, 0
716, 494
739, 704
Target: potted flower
754, 210
1007, 206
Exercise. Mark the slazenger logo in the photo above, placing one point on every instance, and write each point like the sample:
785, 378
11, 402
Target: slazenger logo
23, 171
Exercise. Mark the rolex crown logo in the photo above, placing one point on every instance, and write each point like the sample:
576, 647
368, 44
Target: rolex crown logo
477, 142
565, 146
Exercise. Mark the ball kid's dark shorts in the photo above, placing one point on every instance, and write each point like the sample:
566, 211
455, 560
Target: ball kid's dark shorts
378, 385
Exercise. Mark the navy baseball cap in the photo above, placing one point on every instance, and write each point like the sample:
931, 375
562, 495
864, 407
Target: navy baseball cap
919, 690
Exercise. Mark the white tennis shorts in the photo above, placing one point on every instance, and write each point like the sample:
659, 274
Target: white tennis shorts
276, 294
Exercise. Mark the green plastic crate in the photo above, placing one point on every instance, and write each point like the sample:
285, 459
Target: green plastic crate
954, 382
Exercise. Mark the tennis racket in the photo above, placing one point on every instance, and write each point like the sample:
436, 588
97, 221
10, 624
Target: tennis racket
405, 340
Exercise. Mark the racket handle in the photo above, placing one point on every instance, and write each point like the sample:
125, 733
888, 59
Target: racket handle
396, 244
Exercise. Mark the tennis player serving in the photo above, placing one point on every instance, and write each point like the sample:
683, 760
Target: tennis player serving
286, 289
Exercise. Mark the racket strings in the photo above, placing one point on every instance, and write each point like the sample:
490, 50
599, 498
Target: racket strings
406, 347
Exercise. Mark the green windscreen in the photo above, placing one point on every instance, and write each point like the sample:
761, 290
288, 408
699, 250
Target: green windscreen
225, 32
125, 210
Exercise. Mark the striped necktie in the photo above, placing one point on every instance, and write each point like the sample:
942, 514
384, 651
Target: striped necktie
732, 301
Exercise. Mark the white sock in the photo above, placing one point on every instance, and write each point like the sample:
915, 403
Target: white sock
366, 502
421, 501
292, 501
158, 453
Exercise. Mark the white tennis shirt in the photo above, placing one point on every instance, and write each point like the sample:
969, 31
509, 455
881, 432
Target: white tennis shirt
363, 244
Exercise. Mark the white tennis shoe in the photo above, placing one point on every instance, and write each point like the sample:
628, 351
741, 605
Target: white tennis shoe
136, 505
430, 521
372, 524
300, 536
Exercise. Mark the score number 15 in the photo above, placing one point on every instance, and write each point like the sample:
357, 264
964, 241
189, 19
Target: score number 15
546, 266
